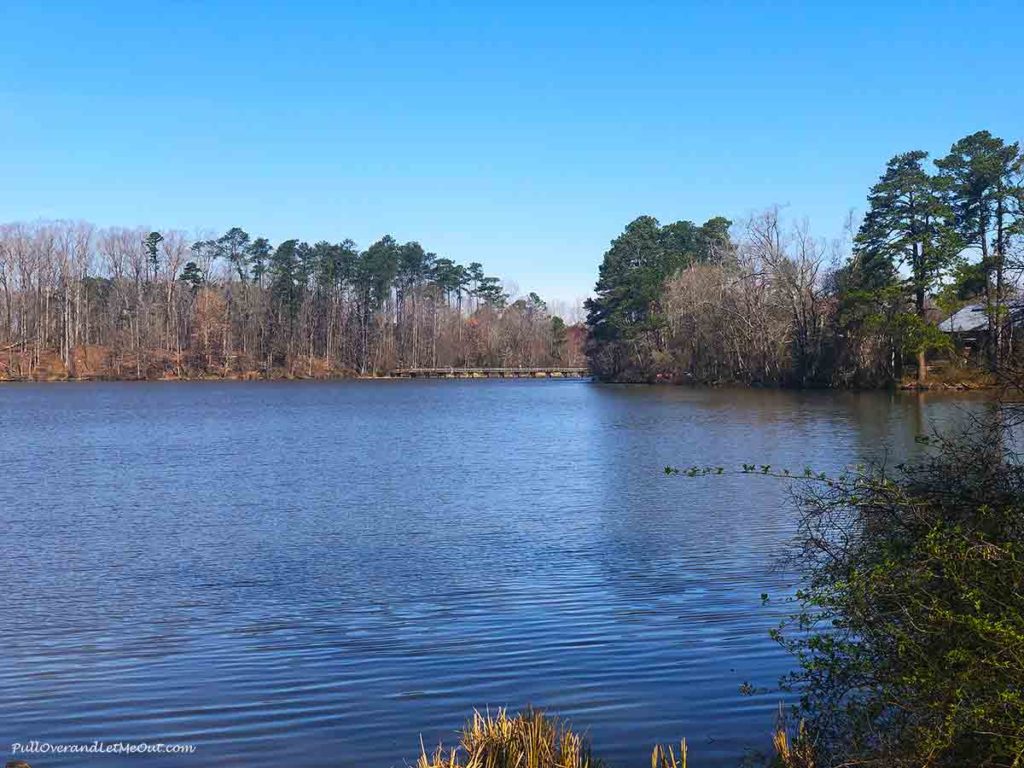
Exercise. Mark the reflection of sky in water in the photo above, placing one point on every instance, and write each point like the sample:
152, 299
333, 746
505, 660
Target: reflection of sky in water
318, 573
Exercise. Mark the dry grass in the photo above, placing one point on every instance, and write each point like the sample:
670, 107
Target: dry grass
665, 757
526, 740
792, 751
531, 739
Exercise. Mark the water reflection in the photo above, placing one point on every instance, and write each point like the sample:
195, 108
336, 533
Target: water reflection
319, 573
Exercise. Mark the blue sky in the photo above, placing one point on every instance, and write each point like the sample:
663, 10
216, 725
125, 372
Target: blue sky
520, 134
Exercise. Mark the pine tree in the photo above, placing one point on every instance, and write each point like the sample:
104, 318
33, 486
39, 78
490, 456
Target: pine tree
625, 319
907, 228
258, 255
981, 178
152, 244
233, 247
192, 275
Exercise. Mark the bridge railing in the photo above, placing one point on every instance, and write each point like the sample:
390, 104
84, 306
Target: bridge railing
573, 371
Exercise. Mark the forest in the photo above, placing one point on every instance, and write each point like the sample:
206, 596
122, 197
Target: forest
768, 303
130, 303
762, 302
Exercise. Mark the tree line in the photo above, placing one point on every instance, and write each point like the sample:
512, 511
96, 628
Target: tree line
76, 300
767, 303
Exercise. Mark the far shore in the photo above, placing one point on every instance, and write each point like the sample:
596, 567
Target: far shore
965, 385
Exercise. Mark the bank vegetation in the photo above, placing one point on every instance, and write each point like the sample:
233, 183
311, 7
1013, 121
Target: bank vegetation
765, 302
77, 301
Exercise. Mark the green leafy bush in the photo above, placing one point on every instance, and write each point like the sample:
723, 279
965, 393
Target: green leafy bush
910, 633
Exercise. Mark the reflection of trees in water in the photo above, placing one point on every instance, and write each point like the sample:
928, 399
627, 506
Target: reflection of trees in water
666, 536
672, 536
888, 424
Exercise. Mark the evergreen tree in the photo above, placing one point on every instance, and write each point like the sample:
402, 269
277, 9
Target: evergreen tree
233, 247
559, 338
413, 265
285, 271
475, 272
907, 227
308, 257
491, 292
625, 319
192, 275
445, 275
981, 179
374, 274
535, 305
152, 243
258, 255
380, 268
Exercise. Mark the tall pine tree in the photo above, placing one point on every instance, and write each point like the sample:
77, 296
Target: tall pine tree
906, 240
981, 178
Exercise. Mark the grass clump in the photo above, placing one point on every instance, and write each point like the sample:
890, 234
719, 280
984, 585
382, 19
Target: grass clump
529, 739
665, 757
792, 750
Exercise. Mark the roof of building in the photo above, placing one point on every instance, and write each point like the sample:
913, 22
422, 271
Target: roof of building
974, 317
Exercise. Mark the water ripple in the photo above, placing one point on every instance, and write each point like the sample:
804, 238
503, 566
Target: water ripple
318, 574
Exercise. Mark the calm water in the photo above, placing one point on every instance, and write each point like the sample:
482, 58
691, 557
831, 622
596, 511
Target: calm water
314, 574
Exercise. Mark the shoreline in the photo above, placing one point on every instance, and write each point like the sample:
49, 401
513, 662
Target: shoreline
243, 378
958, 387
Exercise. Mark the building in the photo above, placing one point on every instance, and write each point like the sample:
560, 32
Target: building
971, 322
969, 326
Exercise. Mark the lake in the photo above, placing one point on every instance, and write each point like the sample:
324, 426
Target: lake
318, 574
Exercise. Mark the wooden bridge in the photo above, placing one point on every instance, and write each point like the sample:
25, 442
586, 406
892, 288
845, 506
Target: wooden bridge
491, 373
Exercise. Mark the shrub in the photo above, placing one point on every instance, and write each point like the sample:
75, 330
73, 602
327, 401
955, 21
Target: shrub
910, 633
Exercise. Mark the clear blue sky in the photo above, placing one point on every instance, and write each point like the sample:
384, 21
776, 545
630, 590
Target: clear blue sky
520, 134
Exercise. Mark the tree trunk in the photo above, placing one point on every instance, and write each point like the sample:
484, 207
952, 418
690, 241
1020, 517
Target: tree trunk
999, 335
